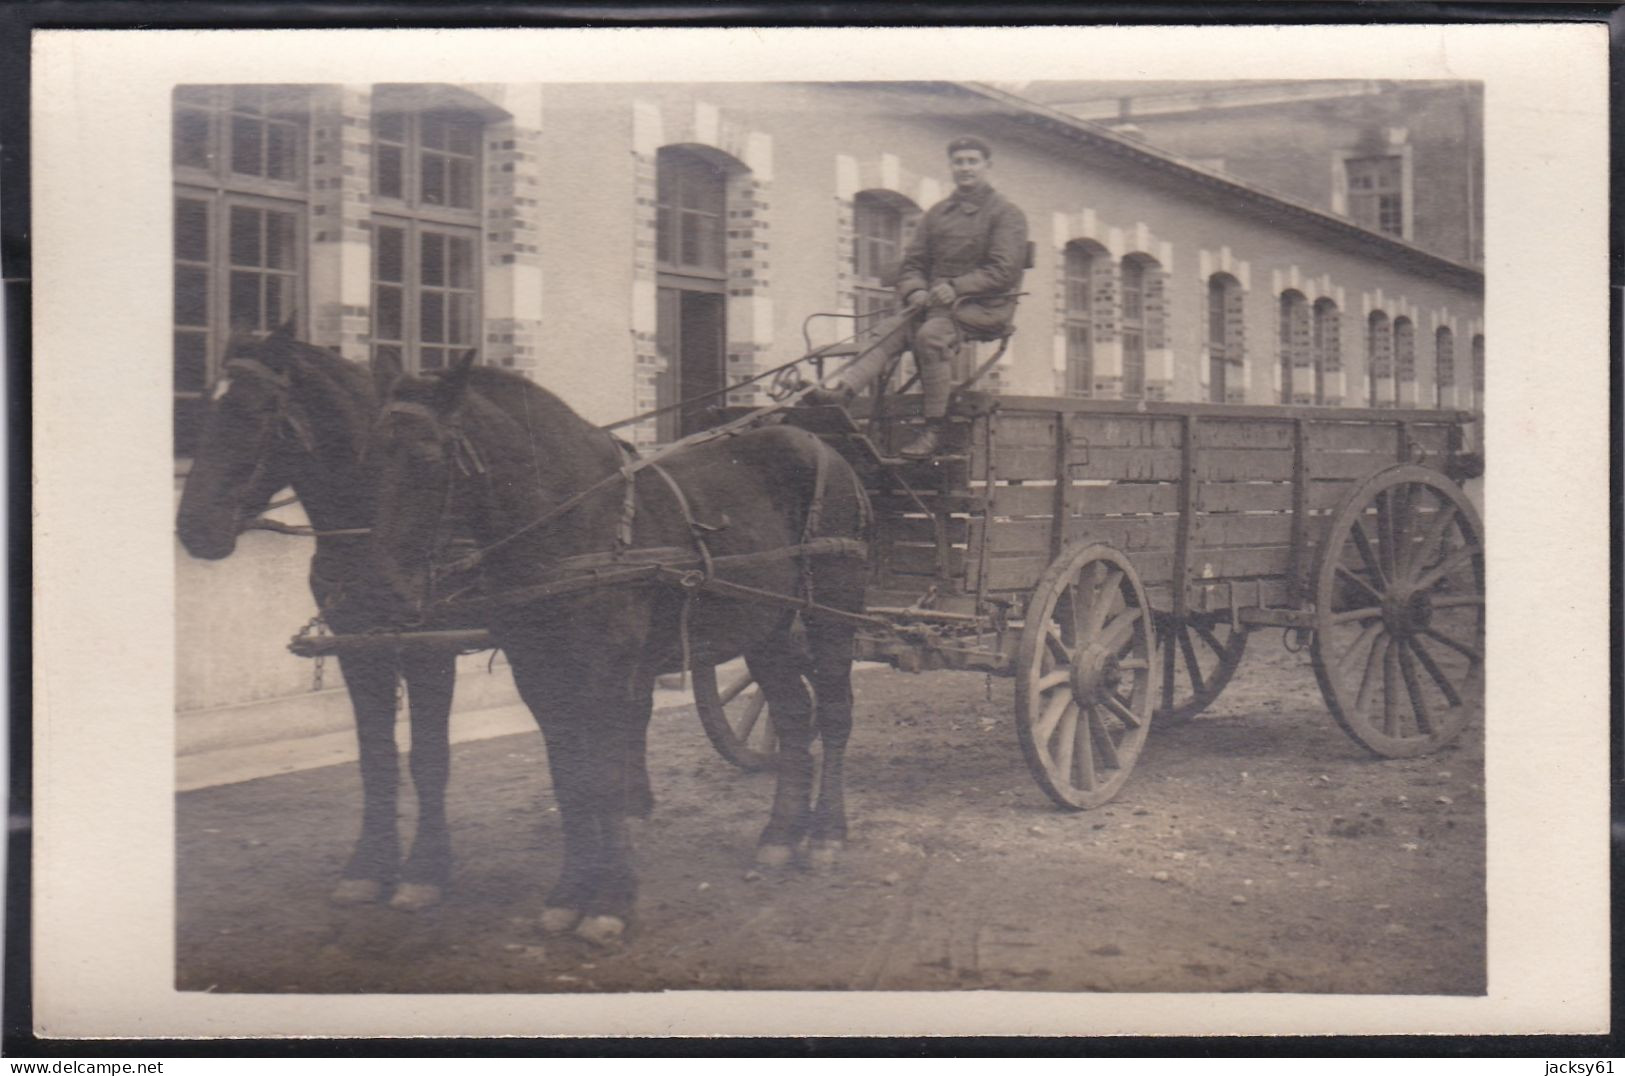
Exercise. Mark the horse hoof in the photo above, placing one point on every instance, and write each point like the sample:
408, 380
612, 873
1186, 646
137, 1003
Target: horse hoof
821, 855
415, 897
601, 930
357, 891
774, 855
559, 920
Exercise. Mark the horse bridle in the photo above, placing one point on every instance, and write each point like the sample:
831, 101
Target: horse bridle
284, 416
461, 455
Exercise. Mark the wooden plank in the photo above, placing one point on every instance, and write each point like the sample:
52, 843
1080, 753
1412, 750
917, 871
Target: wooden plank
922, 560
1353, 464
1210, 564
1234, 529
1244, 464
1246, 594
1088, 499
1245, 433
1119, 464
1126, 431
1023, 431
921, 529
1352, 437
890, 504
1018, 536
1245, 497
1015, 572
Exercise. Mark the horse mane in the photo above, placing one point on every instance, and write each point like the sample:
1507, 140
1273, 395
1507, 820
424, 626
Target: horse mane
526, 401
338, 394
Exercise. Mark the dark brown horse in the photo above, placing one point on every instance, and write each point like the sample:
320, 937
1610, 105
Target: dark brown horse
539, 485
288, 414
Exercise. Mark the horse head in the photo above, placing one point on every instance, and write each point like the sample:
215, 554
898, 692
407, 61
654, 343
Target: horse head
253, 438
419, 464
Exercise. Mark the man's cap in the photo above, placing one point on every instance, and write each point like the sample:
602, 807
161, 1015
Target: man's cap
970, 142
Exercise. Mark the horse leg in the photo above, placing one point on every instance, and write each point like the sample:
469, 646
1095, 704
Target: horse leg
430, 679
370, 680
622, 783
559, 719
831, 646
777, 669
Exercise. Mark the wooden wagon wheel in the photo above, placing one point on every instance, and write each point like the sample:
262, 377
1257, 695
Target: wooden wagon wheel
1083, 676
736, 718
1196, 657
1399, 612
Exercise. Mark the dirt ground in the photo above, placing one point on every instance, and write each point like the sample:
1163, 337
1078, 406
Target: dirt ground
1255, 849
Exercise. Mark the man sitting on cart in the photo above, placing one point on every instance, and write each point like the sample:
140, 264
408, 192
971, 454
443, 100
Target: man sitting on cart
961, 269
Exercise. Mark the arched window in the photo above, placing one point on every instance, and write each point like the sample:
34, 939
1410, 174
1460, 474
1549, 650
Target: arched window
1141, 321
691, 198
1079, 271
1444, 367
426, 230
1298, 374
1478, 371
1404, 361
1379, 359
1327, 348
1225, 339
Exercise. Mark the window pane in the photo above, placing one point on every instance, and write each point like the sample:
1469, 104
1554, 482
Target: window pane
463, 138
461, 177
278, 299
433, 358
387, 172
390, 243
191, 296
247, 146
244, 308
432, 318
191, 361
390, 126
279, 244
665, 221
432, 266
191, 230
432, 190
460, 253
282, 151
389, 317
434, 132
191, 138
461, 327
245, 236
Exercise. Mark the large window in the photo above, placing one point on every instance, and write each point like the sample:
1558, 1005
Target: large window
1225, 346
1376, 193
426, 233
1444, 364
1404, 361
1297, 352
1133, 325
241, 199
1327, 347
689, 232
1379, 359
1079, 270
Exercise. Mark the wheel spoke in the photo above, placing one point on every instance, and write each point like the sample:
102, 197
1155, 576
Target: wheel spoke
753, 711
1373, 662
1133, 663
1207, 636
1434, 671
1119, 631
1433, 537
1083, 762
1054, 679
1069, 734
1052, 639
1363, 615
1385, 532
1363, 545
731, 692
1102, 737
1419, 705
1455, 560
1390, 700
1053, 711
1351, 577
1192, 666
1346, 663
1461, 648
1122, 710
1168, 672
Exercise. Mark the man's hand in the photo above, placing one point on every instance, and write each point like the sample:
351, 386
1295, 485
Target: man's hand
943, 294
915, 300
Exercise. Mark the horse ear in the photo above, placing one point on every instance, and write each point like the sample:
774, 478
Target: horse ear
386, 370
453, 383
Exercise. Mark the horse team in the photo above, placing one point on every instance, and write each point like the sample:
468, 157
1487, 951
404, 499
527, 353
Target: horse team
391, 469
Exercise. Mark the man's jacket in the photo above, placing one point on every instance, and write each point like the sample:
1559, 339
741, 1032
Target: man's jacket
976, 242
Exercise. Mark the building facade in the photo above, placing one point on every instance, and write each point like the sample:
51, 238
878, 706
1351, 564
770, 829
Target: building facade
632, 245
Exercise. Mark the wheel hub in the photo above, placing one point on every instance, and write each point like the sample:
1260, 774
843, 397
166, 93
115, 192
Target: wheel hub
1408, 614
1094, 673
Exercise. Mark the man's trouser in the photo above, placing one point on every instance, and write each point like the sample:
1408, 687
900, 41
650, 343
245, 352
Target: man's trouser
934, 342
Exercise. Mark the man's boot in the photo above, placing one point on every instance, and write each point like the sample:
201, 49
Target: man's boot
924, 444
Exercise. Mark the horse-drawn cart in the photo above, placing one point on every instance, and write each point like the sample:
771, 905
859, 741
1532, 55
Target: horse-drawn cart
1114, 556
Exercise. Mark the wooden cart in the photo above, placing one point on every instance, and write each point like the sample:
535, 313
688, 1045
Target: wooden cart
1113, 557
